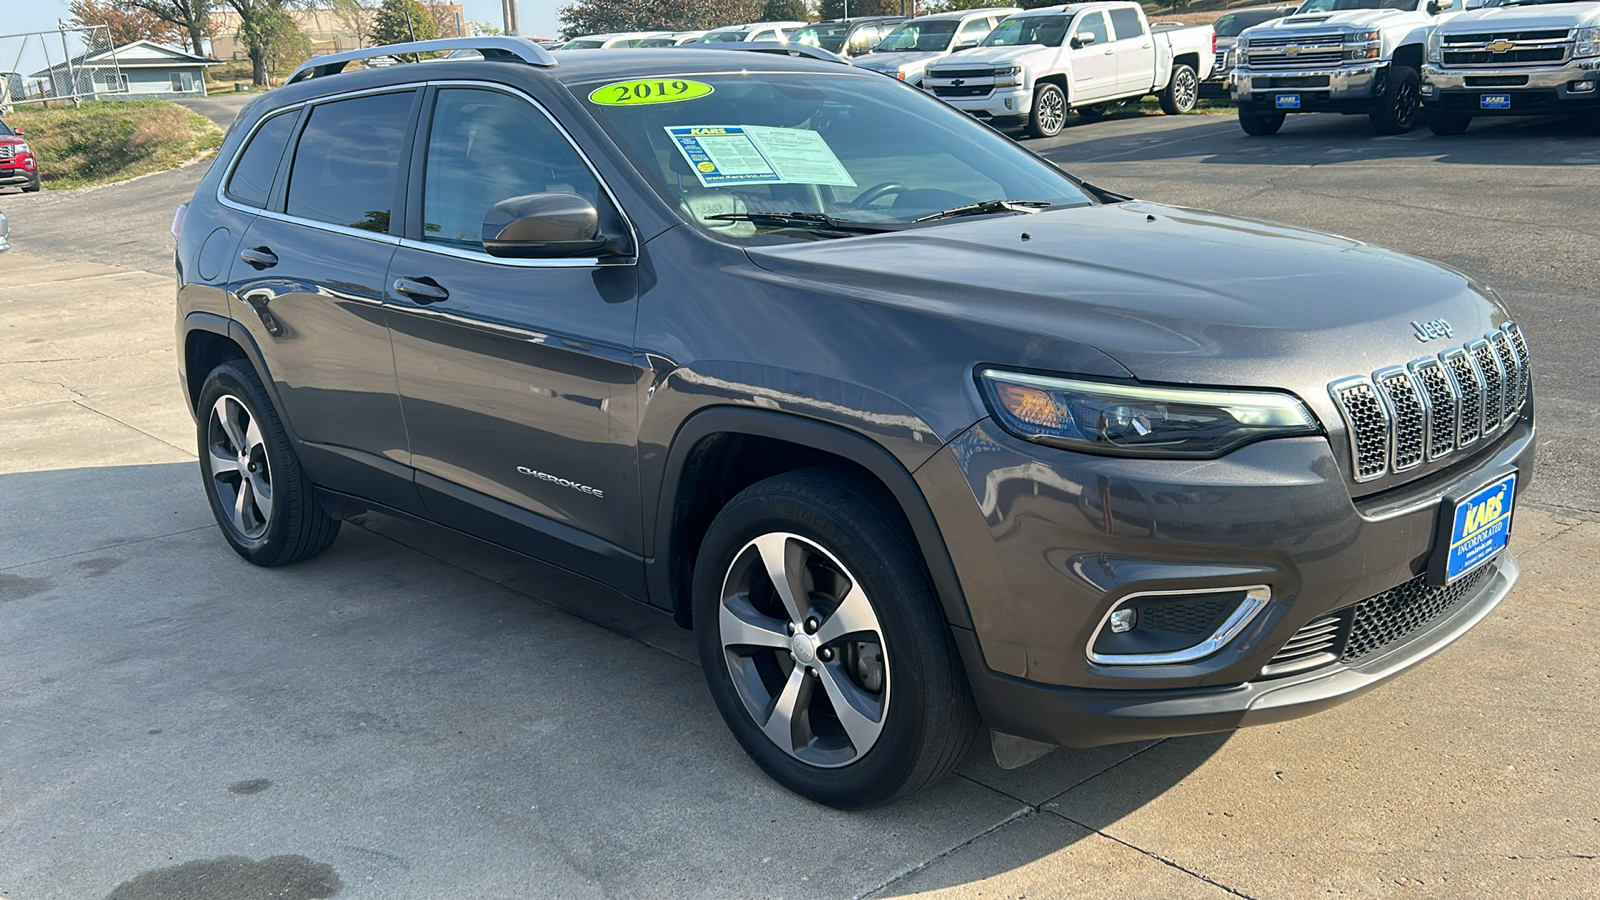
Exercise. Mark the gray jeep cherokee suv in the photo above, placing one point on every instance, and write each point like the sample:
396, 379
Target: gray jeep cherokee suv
915, 431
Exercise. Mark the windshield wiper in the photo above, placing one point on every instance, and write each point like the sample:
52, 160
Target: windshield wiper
990, 206
809, 221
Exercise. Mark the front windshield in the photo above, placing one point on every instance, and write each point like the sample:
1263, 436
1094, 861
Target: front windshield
1322, 6
583, 45
655, 42
1015, 32
921, 37
5, 130
1527, 2
722, 37
828, 37
851, 147
1232, 24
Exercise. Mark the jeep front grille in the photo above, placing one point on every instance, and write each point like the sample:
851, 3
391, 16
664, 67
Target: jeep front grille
1399, 418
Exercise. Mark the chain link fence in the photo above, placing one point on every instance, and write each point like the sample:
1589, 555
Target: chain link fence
68, 64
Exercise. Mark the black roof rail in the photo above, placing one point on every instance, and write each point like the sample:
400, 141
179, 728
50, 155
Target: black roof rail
502, 48
785, 48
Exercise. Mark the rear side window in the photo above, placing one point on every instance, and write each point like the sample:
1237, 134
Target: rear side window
483, 147
251, 181
347, 164
1126, 23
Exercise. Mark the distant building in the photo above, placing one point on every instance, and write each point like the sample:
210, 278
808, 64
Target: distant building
328, 30
140, 70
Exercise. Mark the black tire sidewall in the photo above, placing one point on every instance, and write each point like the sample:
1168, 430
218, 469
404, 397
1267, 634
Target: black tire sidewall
235, 379
915, 636
1383, 120
1270, 123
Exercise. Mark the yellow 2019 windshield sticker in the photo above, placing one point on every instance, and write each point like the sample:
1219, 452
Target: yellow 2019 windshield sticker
640, 93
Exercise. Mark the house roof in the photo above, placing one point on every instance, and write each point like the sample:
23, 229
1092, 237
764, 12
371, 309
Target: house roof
135, 55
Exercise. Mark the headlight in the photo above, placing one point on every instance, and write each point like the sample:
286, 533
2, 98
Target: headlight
1588, 41
1363, 37
1436, 47
1010, 76
1139, 420
1363, 45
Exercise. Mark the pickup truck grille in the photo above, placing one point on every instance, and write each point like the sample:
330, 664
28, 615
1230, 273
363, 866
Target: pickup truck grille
1221, 62
1401, 417
975, 90
7, 151
1514, 48
962, 73
1311, 51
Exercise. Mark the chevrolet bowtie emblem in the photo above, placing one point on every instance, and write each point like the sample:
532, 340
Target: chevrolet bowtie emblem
1500, 46
957, 82
1291, 50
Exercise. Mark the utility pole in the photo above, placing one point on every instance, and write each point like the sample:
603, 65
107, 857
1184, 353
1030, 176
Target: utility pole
513, 22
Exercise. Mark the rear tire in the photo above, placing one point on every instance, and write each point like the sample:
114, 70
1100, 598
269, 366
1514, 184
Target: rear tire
1445, 123
262, 500
1400, 102
1049, 113
1257, 124
859, 630
1182, 91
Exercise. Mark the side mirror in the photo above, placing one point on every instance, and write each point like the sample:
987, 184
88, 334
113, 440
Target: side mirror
17, 132
542, 226
1082, 39
966, 45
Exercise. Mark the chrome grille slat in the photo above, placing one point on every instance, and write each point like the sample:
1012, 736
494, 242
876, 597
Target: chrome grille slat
1404, 416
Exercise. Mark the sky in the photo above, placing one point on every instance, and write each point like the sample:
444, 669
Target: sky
538, 16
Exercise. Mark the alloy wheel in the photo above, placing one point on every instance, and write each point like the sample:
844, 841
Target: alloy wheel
804, 649
1052, 112
1405, 104
241, 475
1186, 89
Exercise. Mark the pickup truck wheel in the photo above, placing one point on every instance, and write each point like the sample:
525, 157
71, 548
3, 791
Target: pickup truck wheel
1255, 123
1401, 99
262, 500
1446, 123
1049, 111
823, 645
1181, 92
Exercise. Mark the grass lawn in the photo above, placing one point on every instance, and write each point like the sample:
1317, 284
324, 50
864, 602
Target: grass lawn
110, 140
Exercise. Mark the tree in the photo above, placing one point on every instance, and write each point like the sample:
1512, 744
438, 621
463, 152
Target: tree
193, 17
402, 21
835, 9
444, 19
600, 16
268, 34
784, 11
125, 23
355, 16
480, 29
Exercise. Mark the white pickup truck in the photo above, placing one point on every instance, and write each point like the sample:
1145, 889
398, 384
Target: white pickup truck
1344, 56
1038, 64
1514, 58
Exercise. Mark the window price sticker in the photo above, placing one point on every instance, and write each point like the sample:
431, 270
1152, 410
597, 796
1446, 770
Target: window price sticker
723, 155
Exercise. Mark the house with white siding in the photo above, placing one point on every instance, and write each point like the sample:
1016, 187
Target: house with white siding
140, 70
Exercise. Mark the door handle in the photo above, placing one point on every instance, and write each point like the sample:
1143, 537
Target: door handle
1144, 46
421, 290
1109, 52
259, 257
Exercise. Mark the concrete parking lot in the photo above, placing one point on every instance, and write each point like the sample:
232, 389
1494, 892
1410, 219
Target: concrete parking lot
417, 715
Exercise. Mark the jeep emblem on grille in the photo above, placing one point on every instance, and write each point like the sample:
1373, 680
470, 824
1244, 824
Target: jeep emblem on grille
1437, 328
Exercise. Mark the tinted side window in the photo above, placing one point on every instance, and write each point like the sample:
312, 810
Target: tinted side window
1126, 23
347, 163
484, 147
973, 31
1093, 23
251, 181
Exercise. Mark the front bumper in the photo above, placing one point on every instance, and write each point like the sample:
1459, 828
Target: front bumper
1346, 89
1001, 105
18, 175
1047, 543
1532, 91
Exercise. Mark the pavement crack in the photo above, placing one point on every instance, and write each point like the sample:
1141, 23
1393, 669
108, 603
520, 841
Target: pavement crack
1027, 811
1173, 864
105, 547
80, 394
185, 450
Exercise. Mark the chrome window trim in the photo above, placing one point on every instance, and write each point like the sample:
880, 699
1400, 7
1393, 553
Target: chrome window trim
1337, 389
1255, 600
238, 155
479, 256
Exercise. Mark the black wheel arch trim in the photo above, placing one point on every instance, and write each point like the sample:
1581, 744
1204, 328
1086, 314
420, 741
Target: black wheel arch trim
824, 436
222, 326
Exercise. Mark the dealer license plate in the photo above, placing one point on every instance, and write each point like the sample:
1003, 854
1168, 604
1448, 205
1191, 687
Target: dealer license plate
1494, 101
1480, 526
1288, 101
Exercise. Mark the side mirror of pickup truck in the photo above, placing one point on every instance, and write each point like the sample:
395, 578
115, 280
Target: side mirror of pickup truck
1082, 39
965, 45
1438, 6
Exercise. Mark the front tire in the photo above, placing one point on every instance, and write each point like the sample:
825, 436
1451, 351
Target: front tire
1182, 91
1399, 103
823, 645
33, 186
262, 500
1446, 124
1049, 113
1259, 124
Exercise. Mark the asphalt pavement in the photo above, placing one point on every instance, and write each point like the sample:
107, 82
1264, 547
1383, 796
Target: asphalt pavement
417, 715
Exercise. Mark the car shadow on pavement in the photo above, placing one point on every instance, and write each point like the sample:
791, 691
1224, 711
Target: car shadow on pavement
401, 680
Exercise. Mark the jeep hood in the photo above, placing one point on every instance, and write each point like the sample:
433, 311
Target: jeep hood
1173, 295
1525, 18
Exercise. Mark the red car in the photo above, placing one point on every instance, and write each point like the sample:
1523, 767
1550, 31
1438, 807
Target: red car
17, 162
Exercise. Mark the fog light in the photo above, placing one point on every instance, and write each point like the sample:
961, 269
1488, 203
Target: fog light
1008, 103
1427, 90
1123, 620
1581, 87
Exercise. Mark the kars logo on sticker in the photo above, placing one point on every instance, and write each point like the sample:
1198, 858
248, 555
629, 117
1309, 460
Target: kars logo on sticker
639, 93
